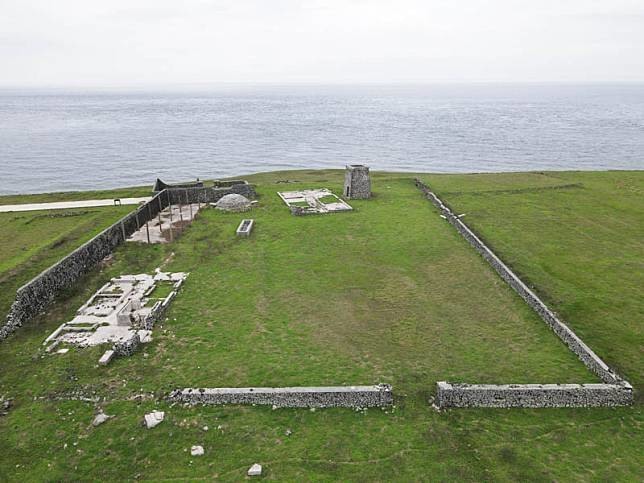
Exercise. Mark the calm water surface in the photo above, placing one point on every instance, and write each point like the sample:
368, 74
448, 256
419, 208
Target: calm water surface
60, 140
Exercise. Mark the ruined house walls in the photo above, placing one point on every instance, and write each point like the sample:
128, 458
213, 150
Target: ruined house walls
33, 297
463, 395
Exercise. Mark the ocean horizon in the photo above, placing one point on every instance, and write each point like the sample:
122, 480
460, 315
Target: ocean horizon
66, 139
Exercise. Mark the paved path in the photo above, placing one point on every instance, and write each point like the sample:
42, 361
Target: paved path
63, 205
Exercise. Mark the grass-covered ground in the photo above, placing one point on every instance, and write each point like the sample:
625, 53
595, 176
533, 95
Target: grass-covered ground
387, 293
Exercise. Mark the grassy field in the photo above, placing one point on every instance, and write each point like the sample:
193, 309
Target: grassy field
387, 293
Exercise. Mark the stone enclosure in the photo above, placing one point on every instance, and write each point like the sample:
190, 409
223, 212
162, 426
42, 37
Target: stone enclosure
614, 392
33, 297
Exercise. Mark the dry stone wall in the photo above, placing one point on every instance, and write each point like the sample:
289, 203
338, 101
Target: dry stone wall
291, 397
532, 395
617, 390
33, 297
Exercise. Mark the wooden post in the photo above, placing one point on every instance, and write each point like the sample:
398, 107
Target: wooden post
170, 206
147, 231
160, 227
189, 204
123, 230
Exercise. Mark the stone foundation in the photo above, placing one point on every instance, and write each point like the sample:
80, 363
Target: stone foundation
290, 397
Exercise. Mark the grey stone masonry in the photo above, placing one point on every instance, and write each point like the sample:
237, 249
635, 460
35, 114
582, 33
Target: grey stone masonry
34, 297
357, 183
614, 392
291, 397
532, 395
585, 353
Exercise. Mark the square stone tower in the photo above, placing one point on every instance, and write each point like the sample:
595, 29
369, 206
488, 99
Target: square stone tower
357, 184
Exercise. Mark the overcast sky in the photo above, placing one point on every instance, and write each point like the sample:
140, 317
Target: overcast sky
162, 42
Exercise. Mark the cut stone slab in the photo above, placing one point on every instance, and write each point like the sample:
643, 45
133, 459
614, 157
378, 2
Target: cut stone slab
196, 450
106, 357
255, 470
101, 418
154, 419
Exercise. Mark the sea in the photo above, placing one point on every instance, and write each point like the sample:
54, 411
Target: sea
64, 140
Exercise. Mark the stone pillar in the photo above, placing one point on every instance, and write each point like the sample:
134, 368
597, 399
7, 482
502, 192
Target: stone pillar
357, 184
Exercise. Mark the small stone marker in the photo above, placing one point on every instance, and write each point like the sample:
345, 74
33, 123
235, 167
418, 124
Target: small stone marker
153, 419
100, 419
255, 470
196, 450
106, 358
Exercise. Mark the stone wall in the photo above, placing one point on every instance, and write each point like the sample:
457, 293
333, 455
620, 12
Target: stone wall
614, 392
209, 195
33, 297
532, 395
587, 356
292, 397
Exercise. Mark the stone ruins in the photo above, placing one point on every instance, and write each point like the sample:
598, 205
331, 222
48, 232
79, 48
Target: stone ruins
357, 183
168, 224
316, 201
121, 312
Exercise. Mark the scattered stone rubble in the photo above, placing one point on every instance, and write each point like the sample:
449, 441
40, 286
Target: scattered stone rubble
309, 202
122, 312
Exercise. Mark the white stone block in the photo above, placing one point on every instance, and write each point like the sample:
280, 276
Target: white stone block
153, 419
196, 450
255, 470
106, 358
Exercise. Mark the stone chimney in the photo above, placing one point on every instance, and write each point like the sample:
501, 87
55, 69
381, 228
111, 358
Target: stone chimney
357, 184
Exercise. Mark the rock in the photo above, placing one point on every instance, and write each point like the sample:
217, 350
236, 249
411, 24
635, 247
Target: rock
153, 419
196, 451
255, 470
233, 202
106, 358
100, 418
288, 432
205, 428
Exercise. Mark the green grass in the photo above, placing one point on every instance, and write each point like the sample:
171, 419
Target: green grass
386, 293
34, 240
580, 243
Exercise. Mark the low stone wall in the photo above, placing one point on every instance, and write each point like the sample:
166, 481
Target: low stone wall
291, 397
585, 353
614, 392
532, 395
33, 297
209, 195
